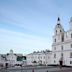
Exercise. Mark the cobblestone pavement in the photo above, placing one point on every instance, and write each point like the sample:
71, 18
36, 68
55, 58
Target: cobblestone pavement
37, 69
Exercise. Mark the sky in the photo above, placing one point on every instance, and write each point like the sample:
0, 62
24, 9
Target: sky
28, 25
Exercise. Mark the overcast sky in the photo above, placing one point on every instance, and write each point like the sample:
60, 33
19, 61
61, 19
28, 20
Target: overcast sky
28, 25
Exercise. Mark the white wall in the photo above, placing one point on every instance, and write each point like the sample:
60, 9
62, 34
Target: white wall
45, 58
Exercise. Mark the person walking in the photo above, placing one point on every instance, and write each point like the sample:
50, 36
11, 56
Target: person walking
61, 62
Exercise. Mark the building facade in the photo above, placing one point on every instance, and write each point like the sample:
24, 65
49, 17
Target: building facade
62, 44
12, 59
39, 58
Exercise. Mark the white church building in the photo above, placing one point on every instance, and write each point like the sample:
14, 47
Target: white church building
62, 44
39, 58
61, 47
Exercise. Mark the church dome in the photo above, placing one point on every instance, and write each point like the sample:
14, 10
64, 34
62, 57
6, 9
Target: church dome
11, 51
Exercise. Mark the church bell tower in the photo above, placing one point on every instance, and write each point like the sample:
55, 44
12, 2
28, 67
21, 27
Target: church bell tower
58, 28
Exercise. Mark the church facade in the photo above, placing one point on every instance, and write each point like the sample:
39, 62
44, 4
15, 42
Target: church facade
62, 44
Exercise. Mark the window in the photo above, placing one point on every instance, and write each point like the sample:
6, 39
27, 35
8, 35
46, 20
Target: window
62, 38
71, 55
55, 40
61, 54
70, 62
54, 55
60, 30
54, 61
61, 47
71, 45
71, 35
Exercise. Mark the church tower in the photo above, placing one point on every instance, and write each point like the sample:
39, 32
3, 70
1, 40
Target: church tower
58, 32
58, 39
58, 28
62, 44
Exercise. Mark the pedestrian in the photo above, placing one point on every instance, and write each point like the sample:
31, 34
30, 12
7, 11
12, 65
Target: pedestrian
60, 63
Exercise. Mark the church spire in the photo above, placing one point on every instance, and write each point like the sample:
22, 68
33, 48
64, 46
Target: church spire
58, 28
58, 20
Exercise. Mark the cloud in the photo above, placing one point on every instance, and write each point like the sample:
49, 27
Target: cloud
33, 22
21, 42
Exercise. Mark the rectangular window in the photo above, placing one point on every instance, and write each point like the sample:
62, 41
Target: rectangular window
70, 62
61, 47
62, 38
54, 61
61, 54
60, 31
54, 55
71, 55
55, 40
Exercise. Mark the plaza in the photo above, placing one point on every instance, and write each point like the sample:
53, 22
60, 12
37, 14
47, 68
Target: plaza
38, 69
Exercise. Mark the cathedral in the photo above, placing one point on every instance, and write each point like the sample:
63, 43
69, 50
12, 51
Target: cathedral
62, 44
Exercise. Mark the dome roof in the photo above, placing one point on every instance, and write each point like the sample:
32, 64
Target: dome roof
11, 51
